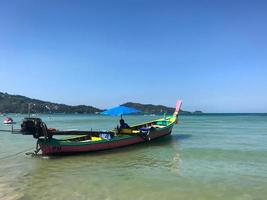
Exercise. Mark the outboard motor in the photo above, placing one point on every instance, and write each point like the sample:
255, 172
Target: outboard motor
33, 126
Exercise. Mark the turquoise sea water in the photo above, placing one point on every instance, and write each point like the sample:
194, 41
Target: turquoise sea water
206, 157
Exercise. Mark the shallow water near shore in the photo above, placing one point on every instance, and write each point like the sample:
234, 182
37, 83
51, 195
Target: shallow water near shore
206, 157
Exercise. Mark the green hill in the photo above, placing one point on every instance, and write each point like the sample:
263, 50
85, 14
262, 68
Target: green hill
19, 104
156, 109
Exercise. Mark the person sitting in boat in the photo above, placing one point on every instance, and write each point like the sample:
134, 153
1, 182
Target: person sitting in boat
123, 124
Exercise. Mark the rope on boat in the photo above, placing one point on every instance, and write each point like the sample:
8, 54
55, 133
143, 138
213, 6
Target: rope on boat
9, 131
15, 154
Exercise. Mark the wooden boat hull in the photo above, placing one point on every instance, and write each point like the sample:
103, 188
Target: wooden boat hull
56, 146
123, 137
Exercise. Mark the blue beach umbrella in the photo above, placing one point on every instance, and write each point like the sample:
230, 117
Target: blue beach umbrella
120, 110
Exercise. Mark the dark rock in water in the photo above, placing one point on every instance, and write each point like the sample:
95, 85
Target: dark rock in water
198, 112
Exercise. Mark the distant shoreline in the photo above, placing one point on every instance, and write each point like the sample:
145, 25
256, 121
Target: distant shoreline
21, 104
183, 114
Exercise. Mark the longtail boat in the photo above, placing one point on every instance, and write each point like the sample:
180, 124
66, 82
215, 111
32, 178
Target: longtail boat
88, 141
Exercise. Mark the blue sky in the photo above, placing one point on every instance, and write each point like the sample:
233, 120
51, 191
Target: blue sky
210, 54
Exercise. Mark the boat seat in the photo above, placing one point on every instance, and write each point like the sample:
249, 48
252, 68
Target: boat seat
158, 126
85, 141
92, 139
